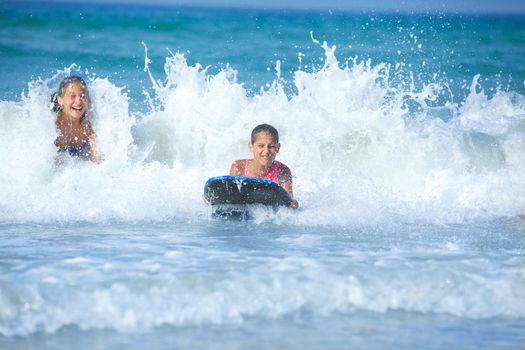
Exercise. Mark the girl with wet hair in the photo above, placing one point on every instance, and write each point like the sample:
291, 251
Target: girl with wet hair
76, 136
264, 145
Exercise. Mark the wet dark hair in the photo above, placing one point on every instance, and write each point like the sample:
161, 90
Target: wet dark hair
265, 128
62, 89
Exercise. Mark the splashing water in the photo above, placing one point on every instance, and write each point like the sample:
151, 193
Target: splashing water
351, 139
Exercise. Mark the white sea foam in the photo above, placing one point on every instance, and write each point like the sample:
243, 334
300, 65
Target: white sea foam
270, 289
356, 151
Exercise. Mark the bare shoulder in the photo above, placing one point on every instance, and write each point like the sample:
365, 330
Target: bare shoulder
88, 128
285, 174
284, 168
239, 163
237, 167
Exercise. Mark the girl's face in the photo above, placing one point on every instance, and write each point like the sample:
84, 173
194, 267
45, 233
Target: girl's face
264, 149
75, 101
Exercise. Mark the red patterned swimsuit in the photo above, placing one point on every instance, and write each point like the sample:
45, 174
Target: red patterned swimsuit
273, 174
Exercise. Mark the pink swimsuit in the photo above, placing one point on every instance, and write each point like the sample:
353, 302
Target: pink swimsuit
273, 174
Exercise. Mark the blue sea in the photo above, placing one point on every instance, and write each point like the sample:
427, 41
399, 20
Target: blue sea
405, 134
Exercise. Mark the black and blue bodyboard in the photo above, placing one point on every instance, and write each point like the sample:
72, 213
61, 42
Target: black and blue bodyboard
233, 195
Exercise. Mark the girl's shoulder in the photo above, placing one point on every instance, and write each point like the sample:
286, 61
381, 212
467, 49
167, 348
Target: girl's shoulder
283, 167
238, 167
240, 162
86, 125
285, 174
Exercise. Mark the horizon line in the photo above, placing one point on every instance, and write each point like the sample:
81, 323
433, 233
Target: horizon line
274, 7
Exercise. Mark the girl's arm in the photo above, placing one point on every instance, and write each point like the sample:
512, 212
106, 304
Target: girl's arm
285, 180
94, 156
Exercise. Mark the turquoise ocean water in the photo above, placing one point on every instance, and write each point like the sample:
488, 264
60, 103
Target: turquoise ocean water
405, 134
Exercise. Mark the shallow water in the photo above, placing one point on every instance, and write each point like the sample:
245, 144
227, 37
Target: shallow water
213, 283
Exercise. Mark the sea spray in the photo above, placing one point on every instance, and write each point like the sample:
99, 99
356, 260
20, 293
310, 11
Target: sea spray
354, 144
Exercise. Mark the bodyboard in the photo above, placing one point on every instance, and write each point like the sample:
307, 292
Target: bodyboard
245, 191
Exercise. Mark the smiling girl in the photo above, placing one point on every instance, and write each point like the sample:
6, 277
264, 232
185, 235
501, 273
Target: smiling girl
76, 136
264, 146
